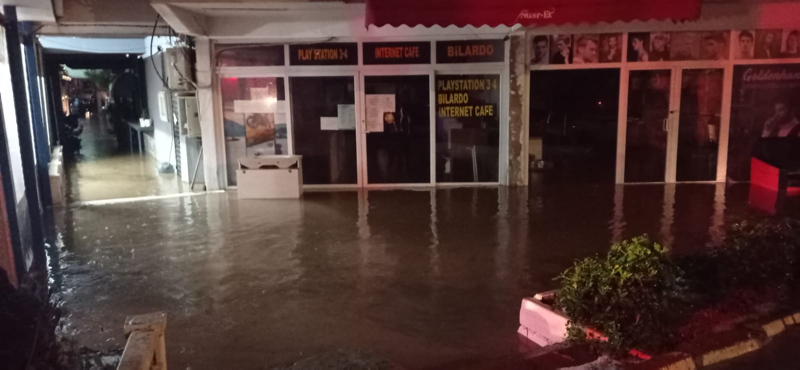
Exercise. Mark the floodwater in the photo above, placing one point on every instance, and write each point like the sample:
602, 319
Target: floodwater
425, 278
107, 172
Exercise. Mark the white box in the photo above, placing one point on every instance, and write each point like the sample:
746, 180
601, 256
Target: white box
270, 181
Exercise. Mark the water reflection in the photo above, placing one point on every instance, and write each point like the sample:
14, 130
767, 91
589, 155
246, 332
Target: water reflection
424, 277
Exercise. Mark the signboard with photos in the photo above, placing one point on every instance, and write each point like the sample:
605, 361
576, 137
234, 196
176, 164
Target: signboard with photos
665, 46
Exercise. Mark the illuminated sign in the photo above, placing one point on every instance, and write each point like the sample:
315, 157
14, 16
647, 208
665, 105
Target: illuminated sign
397, 52
471, 51
344, 53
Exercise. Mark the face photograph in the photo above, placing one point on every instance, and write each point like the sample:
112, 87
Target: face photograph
540, 50
791, 43
768, 44
685, 46
638, 47
587, 49
714, 46
561, 49
611, 48
659, 46
744, 44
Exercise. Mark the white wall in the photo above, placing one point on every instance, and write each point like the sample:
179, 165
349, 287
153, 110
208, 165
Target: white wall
10, 120
162, 130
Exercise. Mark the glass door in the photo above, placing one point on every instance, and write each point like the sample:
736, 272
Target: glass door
673, 124
699, 124
648, 125
398, 129
324, 126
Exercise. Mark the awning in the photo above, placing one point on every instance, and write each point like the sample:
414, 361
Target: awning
526, 12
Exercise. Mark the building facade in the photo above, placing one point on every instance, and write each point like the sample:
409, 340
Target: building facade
381, 107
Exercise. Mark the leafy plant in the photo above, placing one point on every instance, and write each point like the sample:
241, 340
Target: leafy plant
633, 296
755, 256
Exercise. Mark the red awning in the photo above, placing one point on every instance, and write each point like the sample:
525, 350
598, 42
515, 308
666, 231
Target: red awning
526, 12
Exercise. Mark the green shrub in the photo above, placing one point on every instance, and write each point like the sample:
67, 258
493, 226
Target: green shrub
639, 297
755, 256
633, 296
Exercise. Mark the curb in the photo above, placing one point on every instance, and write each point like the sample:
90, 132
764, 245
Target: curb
752, 338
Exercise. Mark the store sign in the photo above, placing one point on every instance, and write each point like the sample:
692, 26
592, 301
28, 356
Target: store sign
467, 97
397, 52
327, 54
471, 51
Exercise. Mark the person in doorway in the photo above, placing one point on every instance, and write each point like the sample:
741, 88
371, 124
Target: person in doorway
585, 50
660, 47
713, 47
639, 51
563, 53
768, 47
541, 50
746, 42
611, 50
783, 123
792, 47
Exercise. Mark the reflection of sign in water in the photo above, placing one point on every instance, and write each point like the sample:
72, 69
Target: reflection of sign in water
457, 97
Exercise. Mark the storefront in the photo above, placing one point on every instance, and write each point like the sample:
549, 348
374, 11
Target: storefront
368, 113
580, 92
678, 106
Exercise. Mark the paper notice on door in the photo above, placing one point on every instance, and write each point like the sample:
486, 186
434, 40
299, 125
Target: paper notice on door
329, 123
251, 106
347, 116
387, 103
377, 105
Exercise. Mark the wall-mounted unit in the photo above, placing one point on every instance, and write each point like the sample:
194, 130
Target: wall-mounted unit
179, 69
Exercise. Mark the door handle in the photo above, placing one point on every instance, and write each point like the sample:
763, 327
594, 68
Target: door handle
664, 124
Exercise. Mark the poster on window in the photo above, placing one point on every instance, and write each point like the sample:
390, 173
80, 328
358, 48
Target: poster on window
467, 128
764, 108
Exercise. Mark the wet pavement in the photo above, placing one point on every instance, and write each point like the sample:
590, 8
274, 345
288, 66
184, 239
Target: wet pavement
104, 171
424, 279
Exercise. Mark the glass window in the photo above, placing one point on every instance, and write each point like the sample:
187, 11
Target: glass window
254, 119
321, 135
698, 125
648, 111
573, 125
764, 117
467, 128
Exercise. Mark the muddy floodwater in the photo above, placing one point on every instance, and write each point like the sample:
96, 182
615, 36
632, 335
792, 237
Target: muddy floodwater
422, 278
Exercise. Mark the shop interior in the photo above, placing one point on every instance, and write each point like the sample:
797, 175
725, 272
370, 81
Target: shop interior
573, 126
